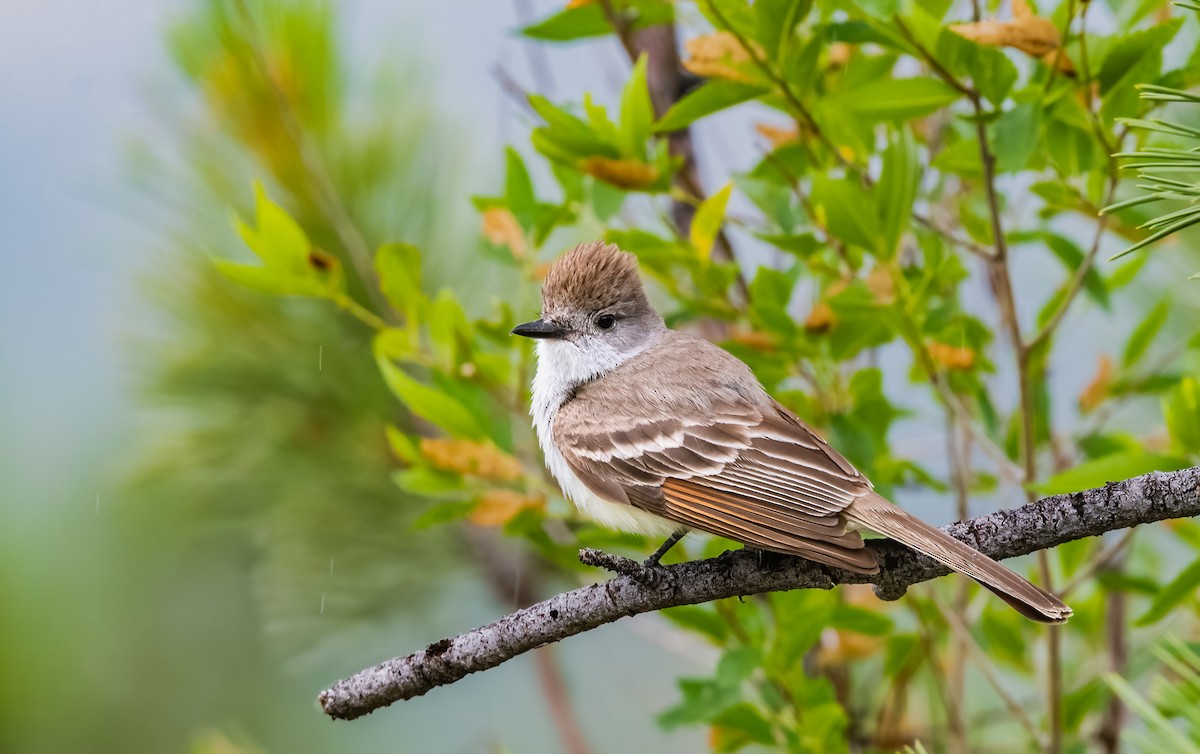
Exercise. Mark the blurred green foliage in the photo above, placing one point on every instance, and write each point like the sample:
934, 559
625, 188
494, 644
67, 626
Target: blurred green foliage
912, 171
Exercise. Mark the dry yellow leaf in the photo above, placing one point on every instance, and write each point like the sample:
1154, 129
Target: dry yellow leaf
501, 228
1026, 32
1097, 390
881, 285
580, 3
756, 339
820, 319
840, 53
776, 135
627, 174
469, 457
498, 507
840, 647
952, 357
719, 55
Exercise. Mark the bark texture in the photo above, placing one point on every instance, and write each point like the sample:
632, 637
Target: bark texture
1008, 533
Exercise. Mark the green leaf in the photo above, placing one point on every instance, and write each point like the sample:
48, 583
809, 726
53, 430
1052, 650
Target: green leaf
710, 97
707, 222
276, 238
800, 617
770, 292
448, 326
848, 210
884, 10
897, 190
860, 620
518, 188
1015, 137
637, 113
429, 403
1110, 468
258, 278
566, 138
1141, 337
961, 158
895, 99
402, 445
291, 265
741, 725
699, 618
428, 482
776, 20
1072, 149
1181, 412
991, 71
440, 513
399, 268
1132, 49
1170, 596
571, 23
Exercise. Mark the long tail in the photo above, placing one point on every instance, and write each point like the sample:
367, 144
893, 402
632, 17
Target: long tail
877, 514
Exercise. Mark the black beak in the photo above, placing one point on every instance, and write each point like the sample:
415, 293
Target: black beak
540, 329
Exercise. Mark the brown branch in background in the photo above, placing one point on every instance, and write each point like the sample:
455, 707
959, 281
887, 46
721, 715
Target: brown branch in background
985, 665
1117, 648
1003, 534
802, 112
958, 448
667, 83
514, 580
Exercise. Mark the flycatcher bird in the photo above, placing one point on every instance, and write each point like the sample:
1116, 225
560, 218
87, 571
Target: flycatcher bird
659, 432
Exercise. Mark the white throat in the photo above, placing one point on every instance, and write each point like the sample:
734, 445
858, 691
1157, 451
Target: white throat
563, 368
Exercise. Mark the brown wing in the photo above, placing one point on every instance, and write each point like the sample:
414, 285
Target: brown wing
759, 476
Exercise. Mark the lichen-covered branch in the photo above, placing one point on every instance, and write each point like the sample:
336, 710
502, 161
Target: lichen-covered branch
1003, 534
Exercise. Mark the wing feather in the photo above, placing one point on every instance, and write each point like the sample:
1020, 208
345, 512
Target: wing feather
722, 457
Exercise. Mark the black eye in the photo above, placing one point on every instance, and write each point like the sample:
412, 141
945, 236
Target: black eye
606, 321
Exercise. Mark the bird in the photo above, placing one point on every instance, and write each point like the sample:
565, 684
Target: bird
659, 432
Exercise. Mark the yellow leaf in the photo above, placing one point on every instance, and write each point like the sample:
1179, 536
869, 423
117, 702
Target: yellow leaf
839, 647
756, 339
840, 53
573, 4
952, 357
820, 319
776, 135
1097, 389
626, 174
468, 457
1026, 32
707, 222
720, 56
881, 285
501, 228
498, 507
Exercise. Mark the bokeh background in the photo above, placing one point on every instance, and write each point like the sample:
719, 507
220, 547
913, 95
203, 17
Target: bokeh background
197, 527
162, 589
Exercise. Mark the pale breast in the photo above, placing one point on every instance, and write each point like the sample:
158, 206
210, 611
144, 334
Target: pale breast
552, 382
619, 516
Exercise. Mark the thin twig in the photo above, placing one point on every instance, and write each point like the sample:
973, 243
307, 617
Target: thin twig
958, 448
1099, 561
985, 665
966, 244
785, 89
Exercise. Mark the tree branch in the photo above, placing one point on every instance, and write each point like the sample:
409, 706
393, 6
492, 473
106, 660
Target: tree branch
1003, 534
